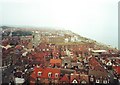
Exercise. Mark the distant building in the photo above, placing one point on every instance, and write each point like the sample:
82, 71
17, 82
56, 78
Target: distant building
36, 38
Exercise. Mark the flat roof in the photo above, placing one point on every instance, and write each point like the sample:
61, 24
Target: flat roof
99, 51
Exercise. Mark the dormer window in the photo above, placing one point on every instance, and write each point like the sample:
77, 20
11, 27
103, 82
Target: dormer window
105, 81
75, 81
83, 82
43, 49
97, 81
109, 63
38, 79
49, 74
56, 75
39, 73
38, 66
91, 79
47, 49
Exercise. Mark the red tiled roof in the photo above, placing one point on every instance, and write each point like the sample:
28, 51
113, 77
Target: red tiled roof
93, 62
84, 77
117, 69
33, 75
18, 47
38, 59
39, 55
55, 61
95, 65
53, 71
64, 78
45, 72
47, 53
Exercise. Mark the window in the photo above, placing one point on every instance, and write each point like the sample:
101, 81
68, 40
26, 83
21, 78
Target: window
91, 79
74, 81
56, 75
47, 49
104, 81
97, 81
83, 82
38, 79
49, 74
39, 73
43, 49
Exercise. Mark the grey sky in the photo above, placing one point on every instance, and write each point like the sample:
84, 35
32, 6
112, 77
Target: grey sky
95, 19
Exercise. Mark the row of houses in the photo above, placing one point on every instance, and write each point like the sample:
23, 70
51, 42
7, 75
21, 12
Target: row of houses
58, 76
55, 75
54, 62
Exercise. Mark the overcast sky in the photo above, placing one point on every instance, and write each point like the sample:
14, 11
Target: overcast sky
95, 19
